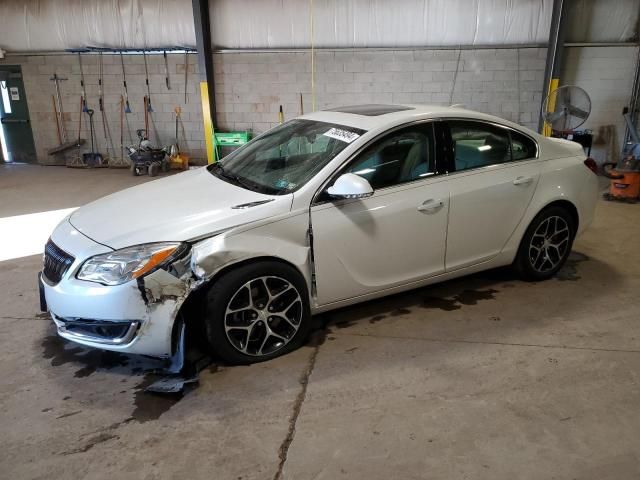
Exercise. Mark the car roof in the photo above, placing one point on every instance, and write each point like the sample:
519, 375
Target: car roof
373, 117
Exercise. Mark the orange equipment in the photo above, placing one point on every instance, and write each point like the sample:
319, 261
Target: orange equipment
625, 179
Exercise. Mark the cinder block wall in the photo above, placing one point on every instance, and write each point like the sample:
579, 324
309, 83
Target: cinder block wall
36, 71
250, 87
606, 73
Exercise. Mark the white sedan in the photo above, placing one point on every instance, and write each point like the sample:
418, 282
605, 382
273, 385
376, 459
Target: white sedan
327, 210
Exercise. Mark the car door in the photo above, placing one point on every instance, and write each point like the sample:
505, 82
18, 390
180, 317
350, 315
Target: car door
394, 237
494, 171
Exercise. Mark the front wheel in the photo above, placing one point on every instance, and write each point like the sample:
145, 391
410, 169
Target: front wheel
546, 244
257, 312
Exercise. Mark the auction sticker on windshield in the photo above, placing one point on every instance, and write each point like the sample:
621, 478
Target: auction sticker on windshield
342, 135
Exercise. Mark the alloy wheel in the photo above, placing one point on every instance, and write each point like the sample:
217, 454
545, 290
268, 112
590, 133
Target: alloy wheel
263, 315
549, 244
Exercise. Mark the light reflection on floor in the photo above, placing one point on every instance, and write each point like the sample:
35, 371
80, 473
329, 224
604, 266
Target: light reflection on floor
24, 235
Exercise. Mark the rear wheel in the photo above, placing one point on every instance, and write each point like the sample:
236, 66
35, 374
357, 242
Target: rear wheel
154, 168
257, 312
546, 244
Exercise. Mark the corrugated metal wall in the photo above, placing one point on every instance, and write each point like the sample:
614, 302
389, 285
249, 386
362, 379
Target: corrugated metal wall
54, 25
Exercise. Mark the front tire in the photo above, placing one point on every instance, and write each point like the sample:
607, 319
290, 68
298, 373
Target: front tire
257, 312
546, 244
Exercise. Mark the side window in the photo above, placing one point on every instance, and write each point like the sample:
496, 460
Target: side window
522, 147
477, 144
400, 157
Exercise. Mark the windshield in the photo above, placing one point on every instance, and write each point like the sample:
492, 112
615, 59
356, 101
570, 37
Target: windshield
286, 157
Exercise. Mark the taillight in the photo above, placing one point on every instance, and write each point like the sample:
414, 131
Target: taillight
591, 165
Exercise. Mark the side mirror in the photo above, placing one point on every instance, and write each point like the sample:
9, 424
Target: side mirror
350, 185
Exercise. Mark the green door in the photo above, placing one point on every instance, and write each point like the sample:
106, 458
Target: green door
16, 136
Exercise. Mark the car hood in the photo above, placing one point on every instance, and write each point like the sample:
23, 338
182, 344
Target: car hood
177, 208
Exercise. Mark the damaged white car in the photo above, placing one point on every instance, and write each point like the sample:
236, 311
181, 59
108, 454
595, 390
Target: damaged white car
330, 209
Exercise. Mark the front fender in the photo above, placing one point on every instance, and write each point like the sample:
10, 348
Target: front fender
285, 239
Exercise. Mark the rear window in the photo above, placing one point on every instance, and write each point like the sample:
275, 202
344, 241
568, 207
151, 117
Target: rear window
477, 144
522, 147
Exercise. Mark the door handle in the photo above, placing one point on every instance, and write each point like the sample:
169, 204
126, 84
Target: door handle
431, 206
523, 181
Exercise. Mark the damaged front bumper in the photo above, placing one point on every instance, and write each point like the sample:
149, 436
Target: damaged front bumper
119, 318
97, 331
136, 317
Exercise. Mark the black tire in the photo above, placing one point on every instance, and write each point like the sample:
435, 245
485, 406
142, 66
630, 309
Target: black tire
165, 166
528, 262
154, 168
134, 170
232, 287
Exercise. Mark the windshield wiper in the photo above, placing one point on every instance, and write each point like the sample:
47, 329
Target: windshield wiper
234, 178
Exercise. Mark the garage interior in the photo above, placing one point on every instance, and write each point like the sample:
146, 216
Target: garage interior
485, 376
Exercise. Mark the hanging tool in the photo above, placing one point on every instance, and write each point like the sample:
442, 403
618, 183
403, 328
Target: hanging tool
55, 112
122, 129
63, 143
127, 108
92, 159
146, 116
84, 91
105, 127
60, 113
186, 71
76, 160
177, 158
82, 109
280, 115
146, 73
100, 99
107, 134
166, 70
177, 111
301, 105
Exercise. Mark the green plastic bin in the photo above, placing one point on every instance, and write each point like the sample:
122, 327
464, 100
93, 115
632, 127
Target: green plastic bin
228, 140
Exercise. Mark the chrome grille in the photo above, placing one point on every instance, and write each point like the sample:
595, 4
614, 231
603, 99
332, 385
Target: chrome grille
56, 262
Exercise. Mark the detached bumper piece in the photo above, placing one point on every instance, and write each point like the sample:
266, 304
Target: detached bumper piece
97, 331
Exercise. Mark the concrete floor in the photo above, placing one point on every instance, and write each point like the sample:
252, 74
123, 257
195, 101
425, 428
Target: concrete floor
484, 377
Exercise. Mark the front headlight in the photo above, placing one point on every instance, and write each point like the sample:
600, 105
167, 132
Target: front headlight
123, 265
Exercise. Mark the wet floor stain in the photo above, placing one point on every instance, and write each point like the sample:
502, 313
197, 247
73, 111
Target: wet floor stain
472, 297
318, 338
569, 272
92, 442
400, 311
376, 318
466, 297
60, 353
344, 324
151, 406
147, 406
446, 304
70, 414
